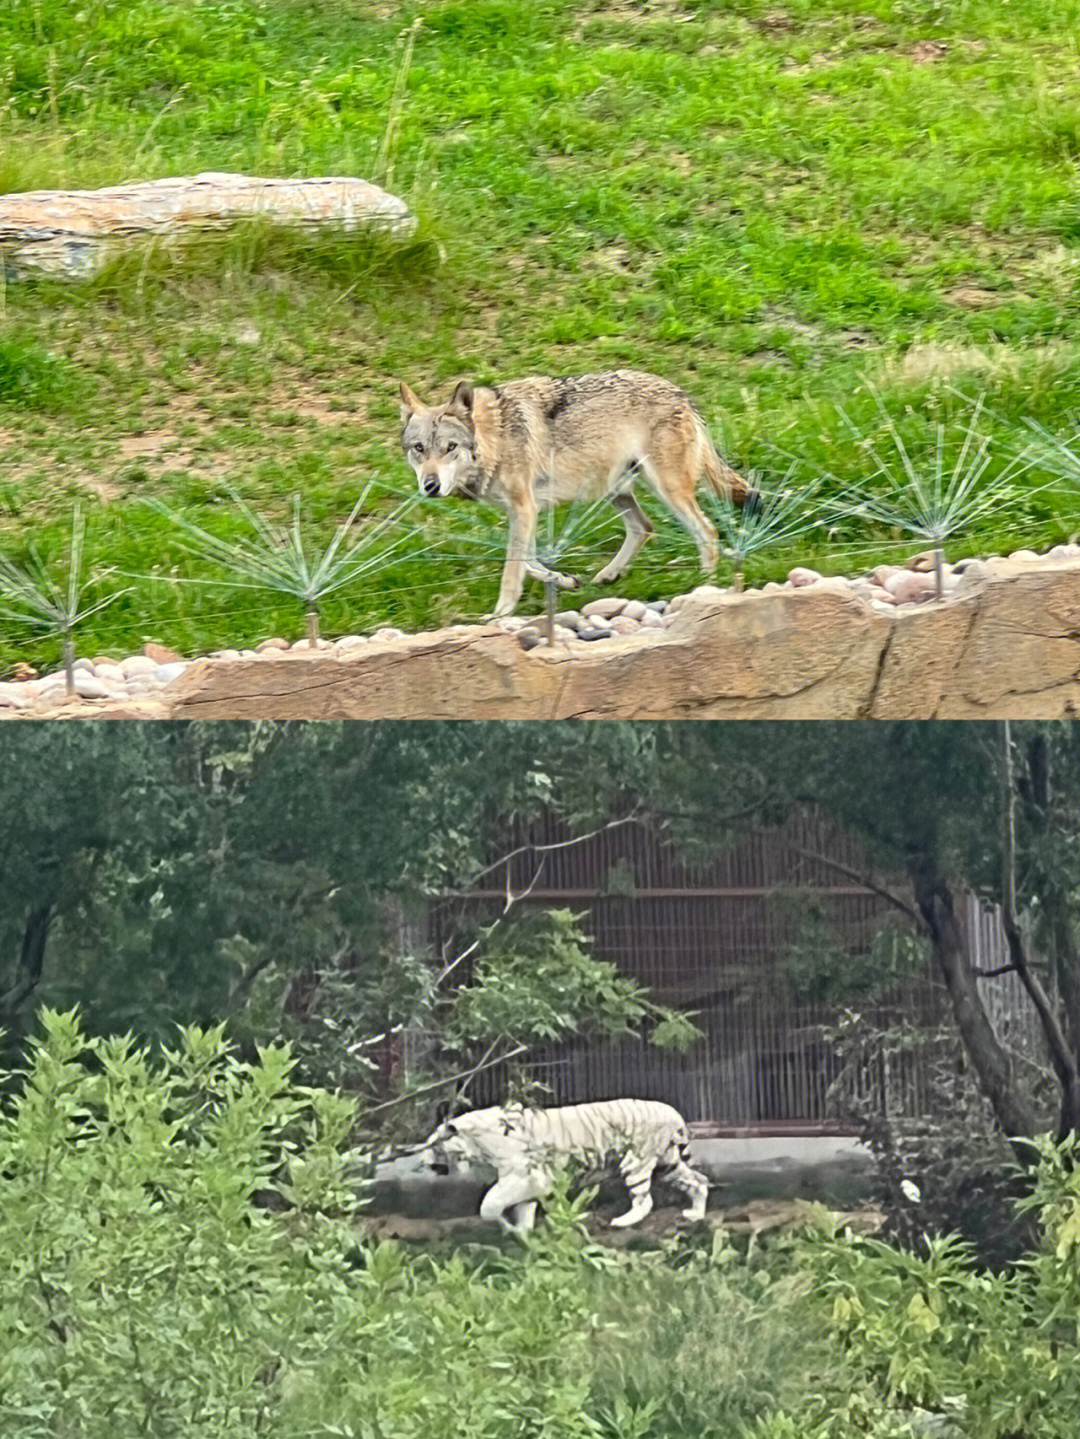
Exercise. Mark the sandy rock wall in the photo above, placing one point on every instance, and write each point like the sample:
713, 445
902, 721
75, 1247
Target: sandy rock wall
1004, 643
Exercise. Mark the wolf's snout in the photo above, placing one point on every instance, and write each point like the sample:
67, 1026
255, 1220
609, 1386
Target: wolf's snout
431, 485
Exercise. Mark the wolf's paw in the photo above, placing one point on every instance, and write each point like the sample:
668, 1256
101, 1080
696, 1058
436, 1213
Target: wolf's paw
608, 575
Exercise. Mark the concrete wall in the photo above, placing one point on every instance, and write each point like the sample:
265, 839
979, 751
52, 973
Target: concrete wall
835, 1169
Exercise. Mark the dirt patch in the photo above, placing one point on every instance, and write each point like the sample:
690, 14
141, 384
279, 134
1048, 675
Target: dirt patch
102, 488
132, 447
921, 362
926, 52
760, 1216
645, 12
974, 297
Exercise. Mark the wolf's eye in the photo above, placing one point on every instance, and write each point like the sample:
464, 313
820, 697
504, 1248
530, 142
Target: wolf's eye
418, 448
451, 446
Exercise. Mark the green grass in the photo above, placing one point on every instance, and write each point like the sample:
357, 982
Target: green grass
783, 207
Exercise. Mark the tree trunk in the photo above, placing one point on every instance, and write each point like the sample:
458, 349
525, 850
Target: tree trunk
992, 1061
1062, 1057
28, 971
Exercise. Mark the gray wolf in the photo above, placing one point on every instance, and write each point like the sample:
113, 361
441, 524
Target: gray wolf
527, 1146
542, 441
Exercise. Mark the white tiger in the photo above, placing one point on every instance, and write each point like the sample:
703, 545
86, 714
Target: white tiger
527, 1146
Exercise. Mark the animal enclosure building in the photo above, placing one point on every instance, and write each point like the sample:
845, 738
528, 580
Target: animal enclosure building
768, 946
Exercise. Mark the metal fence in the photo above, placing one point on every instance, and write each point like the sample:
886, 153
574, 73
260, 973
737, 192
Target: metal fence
719, 940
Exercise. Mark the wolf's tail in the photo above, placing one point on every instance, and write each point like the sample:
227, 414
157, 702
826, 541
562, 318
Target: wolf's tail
726, 482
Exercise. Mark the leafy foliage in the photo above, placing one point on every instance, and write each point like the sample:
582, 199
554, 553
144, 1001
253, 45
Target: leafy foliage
277, 559
143, 1292
536, 980
995, 1351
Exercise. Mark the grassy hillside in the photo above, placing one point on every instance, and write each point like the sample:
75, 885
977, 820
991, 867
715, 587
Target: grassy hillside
781, 207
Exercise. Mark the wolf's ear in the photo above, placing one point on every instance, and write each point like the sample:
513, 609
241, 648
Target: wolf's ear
410, 403
462, 398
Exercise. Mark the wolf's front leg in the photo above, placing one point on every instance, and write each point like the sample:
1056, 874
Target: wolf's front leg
520, 546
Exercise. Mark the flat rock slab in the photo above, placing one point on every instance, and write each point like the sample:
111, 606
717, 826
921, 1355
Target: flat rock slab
73, 232
1005, 644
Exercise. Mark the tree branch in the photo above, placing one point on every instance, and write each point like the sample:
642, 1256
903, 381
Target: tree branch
463, 1076
864, 879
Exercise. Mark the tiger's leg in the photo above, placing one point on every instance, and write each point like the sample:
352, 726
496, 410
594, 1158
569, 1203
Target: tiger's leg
638, 1174
693, 1183
516, 1193
523, 1215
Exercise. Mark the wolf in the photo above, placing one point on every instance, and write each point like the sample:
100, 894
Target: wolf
542, 441
526, 1147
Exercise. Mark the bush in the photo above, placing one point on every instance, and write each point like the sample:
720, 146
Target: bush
144, 1291
999, 1350
148, 1288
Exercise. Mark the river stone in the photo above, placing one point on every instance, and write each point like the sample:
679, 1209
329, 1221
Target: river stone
161, 654
800, 577
89, 686
910, 587
604, 608
167, 673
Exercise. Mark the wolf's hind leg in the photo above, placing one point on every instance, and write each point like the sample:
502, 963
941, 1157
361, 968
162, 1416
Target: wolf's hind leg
674, 484
638, 529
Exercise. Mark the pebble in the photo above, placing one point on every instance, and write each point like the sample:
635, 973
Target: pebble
137, 665
349, 642
388, 633
800, 577
883, 573
167, 673
633, 610
274, 643
605, 608
910, 587
161, 654
89, 687
921, 563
